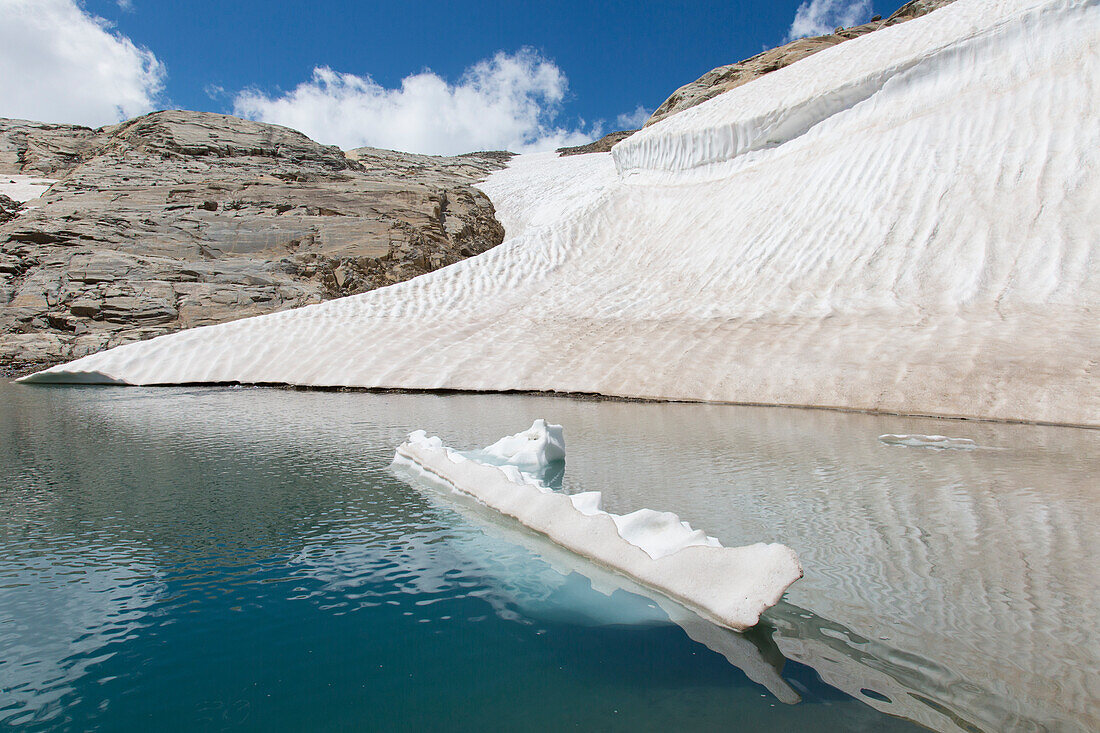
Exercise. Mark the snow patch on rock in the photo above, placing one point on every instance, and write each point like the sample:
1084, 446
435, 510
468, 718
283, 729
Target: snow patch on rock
24, 188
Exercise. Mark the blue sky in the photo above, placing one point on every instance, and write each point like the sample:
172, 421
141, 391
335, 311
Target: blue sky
609, 57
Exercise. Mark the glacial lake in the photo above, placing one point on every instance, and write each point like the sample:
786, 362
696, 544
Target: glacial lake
246, 559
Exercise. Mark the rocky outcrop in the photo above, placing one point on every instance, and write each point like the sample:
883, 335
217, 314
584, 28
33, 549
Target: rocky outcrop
724, 78
9, 209
603, 145
41, 148
182, 219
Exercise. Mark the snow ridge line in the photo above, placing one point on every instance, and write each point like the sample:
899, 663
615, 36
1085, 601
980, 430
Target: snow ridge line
663, 147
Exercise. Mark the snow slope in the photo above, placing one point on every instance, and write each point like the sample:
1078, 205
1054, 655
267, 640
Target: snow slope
906, 222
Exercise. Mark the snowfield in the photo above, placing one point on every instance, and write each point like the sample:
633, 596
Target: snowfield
907, 222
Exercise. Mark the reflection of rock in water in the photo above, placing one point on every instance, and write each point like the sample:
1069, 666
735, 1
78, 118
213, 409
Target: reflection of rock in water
64, 617
901, 683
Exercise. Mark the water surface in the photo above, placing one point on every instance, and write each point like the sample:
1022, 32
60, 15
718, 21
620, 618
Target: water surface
245, 558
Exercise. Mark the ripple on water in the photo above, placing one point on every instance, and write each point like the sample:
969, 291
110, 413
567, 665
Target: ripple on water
245, 558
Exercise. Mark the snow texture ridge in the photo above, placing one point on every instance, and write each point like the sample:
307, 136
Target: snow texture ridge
731, 586
907, 222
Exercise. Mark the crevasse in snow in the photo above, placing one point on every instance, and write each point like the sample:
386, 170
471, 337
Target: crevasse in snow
731, 586
907, 222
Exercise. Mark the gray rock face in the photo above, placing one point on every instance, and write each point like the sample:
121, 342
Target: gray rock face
40, 148
724, 78
9, 209
603, 145
182, 219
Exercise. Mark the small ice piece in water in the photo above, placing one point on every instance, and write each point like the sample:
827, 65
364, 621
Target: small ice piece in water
928, 441
731, 586
534, 448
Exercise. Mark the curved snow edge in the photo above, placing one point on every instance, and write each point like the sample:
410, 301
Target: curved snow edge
778, 109
730, 586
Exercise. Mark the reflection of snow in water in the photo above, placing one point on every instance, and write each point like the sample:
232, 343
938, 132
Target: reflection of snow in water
462, 562
949, 581
522, 577
63, 618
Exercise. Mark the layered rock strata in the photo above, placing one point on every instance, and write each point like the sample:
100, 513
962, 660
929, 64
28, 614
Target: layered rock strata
182, 219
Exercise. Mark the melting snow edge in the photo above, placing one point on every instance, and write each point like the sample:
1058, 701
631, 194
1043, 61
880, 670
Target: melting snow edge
731, 586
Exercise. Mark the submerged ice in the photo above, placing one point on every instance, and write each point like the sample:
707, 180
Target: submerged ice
731, 586
928, 441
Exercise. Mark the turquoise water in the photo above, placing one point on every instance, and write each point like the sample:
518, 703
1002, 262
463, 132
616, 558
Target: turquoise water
246, 559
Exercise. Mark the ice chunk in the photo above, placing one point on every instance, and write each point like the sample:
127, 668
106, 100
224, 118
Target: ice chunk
928, 441
731, 586
533, 448
587, 503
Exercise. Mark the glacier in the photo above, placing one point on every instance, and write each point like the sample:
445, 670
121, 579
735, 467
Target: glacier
730, 586
908, 222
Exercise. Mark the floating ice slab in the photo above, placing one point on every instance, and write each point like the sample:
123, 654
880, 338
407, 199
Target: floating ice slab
928, 441
757, 656
905, 222
731, 586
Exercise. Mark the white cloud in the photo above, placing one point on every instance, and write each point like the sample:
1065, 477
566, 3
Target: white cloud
60, 64
507, 102
819, 17
632, 120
